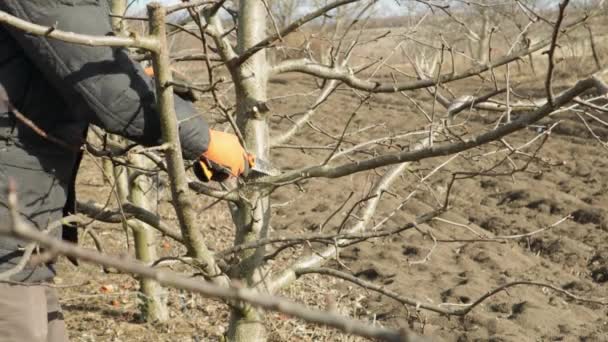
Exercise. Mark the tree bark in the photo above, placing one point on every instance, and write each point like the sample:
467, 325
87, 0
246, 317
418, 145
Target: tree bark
251, 221
121, 180
118, 8
484, 38
143, 194
181, 196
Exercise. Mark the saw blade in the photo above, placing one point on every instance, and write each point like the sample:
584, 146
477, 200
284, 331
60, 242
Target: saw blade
263, 168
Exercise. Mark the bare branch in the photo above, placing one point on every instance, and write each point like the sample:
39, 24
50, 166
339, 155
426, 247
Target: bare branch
175, 165
287, 30
204, 189
344, 130
438, 308
4, 100
171, 279
327, 90
23, 261
97, 212
346, 76
469, 307
188, 4
330, 238
148, 43
590, 105
439, 150
216, 30
289, 274
551, 52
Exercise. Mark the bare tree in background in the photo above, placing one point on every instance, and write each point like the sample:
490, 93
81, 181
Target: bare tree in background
137, 187
342, 47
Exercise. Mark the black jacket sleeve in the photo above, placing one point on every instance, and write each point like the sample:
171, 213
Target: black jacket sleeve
101, 85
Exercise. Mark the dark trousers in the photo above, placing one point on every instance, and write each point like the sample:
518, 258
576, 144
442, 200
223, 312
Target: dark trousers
30, 313
41, 177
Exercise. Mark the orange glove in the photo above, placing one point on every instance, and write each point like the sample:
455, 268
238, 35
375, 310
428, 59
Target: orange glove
149, 71
224, 157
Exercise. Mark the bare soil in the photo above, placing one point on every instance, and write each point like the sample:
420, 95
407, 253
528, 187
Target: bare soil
572, 256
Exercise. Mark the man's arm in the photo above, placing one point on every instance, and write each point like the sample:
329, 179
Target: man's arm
100, 84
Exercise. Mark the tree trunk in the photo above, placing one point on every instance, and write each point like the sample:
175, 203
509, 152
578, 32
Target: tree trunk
118, 7
143, 194
484, 38
251, 222
122, 188
181, 196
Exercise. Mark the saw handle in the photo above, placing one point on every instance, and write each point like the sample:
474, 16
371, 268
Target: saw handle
207, 170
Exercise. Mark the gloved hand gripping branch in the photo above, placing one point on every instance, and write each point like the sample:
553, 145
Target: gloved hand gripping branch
224, 157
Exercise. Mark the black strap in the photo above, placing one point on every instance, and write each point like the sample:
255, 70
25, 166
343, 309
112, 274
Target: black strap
69, 232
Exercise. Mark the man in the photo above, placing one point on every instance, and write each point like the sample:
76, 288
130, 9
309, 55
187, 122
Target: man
62, 88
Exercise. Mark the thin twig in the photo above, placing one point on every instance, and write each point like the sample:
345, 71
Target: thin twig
551, 52
438, 308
